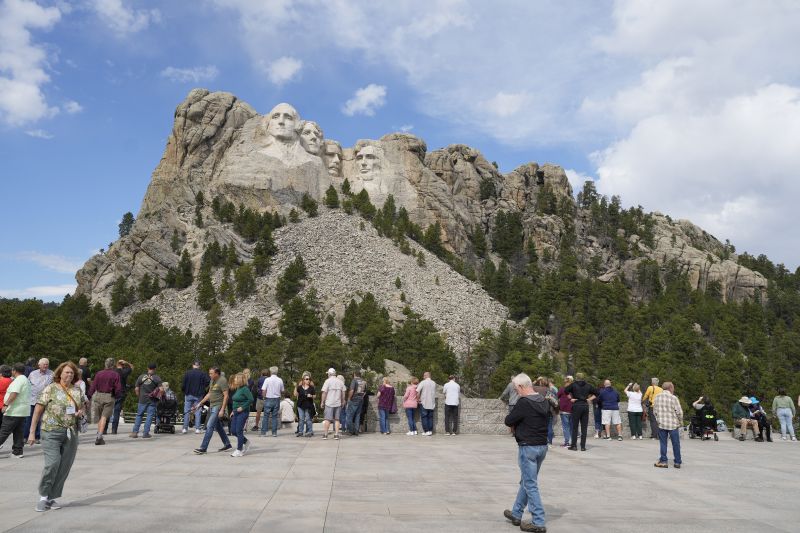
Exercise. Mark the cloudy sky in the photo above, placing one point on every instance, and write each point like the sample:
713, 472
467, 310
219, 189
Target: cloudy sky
689, 108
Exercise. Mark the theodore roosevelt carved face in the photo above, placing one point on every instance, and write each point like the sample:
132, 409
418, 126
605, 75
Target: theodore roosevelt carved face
333, 158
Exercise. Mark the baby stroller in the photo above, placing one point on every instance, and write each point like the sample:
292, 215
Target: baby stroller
703, 425
166, 414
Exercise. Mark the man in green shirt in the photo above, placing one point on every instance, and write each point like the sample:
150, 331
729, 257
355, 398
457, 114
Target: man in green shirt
217, 398
16, 409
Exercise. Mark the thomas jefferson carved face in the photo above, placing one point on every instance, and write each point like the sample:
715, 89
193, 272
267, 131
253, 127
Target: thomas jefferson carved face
311, 137
333, 158
282, 123
367, 161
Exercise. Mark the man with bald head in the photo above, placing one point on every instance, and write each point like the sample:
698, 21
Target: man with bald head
669, 414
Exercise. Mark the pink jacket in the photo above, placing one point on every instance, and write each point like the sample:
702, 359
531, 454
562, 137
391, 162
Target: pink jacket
410, 397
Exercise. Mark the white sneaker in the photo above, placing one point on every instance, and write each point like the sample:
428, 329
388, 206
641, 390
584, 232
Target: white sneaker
411, 433
429, 433
184, 430
783, 437
237, 453
246, 447
196, 431
448, 434
793, 438
415, 432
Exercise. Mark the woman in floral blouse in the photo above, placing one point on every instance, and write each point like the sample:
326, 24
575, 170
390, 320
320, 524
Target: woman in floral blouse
59, 406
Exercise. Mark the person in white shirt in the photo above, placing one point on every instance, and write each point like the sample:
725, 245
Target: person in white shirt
287, 412
272, 391
332, 399
426, 395
452, 391
634, 393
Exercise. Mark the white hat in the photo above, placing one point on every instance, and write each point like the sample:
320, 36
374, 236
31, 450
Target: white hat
331, 372
745, 400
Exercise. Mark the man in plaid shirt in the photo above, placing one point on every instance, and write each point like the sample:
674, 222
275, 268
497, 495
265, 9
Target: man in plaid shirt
669, 415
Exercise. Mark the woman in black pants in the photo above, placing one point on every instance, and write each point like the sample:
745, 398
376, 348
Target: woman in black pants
581, 393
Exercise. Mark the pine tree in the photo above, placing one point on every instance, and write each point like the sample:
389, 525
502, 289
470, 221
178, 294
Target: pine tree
206, 296
175, 243
245, 282
309, 205
184, 275
331, 198
227, 293
479, 241
346, 188
126, 224
294, 217
214, 337
290, 282
121, 297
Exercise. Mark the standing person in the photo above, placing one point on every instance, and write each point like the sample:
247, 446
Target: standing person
647, 400
452, 395
16, 406
124, 369
39, 379
5, 381
260, 398
194, 386
241, 400
355, 397
783, 408
426, 395
609, 399
287, 412
387, 404
634, 394
30, 366
510, 395
565, 408
332, 399
581, 393
145, 385
104, 390
410, 404
343, 411
669, 415
272, 390
59, 407
528, 420
83, 366
217, 398
305, 394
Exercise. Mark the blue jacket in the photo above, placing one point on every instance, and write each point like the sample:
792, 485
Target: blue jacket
195, 382
608, 398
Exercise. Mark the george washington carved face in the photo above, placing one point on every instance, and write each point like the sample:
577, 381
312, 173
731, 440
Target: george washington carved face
282, 123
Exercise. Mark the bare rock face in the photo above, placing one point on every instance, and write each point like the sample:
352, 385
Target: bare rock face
220, 146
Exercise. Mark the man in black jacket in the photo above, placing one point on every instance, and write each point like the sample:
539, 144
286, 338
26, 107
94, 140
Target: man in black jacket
195, 385
581, 393
528, 420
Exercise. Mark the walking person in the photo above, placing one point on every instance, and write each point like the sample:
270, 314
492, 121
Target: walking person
528, 420
355, 397
272, 390
16, 407
634, 394
565, 410
39, 379
426, 395
145, 386
387, 404
332, 399
217, 398
452, 396
609, 399
783, 408
241, 400
410, 404
669, 415
581, 393
124, 369
5, 381
58, 408
647, 402
104, 391
259, 398
194, 386
305, 394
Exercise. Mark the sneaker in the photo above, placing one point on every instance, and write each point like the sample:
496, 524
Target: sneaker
573, 448
41, 506
200, 451
514, 520
298, 434
583, 449
20, 456
184, 431
783, 437
99, 441
415, 432
147, 436
37, 441
409, 433
134, 435
597, 435
606, 438
225, 448
274, 434
676, 465
619, 437
246, 447
254, 428
335, 436
530, 526
448, 434
52, 504
661, 465
325, 436
793, 438
196, 431
237, 453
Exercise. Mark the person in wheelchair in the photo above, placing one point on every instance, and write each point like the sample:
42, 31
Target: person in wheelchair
703, 423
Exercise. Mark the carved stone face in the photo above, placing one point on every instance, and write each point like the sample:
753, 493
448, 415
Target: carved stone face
282, 123
367, 161
333, 158
311, 137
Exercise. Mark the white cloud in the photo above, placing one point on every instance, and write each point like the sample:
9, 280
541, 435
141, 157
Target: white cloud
39, 134
56, 263
365, 101
283, 69
23, 63
122, 19
72, 107
505, 105
405, 128
577, 179
193, 75
43, 292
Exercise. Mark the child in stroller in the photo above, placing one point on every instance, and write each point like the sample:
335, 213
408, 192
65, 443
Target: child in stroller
703, 424
166, 410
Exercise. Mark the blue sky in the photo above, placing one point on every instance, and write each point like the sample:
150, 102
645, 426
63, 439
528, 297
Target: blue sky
688, 108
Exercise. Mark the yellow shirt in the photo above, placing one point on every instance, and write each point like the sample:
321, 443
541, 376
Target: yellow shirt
651, 393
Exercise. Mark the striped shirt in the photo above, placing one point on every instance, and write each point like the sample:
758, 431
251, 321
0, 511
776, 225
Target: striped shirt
667, 410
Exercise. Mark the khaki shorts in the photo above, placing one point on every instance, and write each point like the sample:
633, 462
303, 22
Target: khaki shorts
332, 413
102, 405
611, 416
259, 405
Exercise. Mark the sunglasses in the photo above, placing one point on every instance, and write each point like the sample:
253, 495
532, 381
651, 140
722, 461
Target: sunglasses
306, 379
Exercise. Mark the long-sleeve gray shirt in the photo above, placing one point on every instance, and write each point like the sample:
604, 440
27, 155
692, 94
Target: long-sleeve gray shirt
510, 394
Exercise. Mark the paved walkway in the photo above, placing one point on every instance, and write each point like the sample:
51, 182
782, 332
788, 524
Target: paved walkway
399, 483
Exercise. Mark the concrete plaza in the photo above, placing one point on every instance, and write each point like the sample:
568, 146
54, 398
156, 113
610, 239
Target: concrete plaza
400, 483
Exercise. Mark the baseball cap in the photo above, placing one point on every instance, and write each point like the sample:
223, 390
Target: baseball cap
331, 372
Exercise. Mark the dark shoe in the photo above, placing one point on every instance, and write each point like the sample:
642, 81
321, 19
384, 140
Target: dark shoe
99, 441
200, 451
769, 439
113, 431
254, 428
583, 449
676, 465
134, 435
52, 504
741, 438
225, 448
573, 448
759, 439
514, 520
147, 436
661, 465
530, 526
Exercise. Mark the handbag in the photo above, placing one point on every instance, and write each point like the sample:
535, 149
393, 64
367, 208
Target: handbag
81, 423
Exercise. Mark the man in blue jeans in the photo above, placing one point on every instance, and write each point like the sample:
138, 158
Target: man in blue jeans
195, 385
217, 398
528, 420
145, 385
669, 415
272, 391
355, 397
